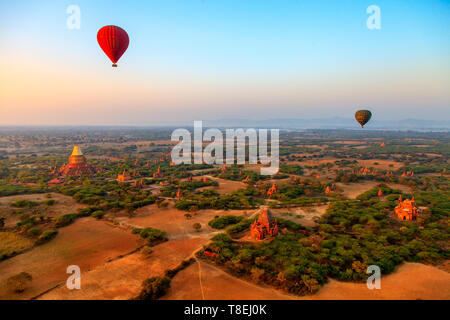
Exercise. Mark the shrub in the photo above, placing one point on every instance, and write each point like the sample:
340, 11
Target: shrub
47, 236
173, 272
185, 205
19, 282
222, 222
154, 288
24, 204
164, 205
238, 227
49, 202
34, 232
291, 169
136, 231
284, 223
65, 220
85, 212
150, 234
10, 190
146, 251
98, 214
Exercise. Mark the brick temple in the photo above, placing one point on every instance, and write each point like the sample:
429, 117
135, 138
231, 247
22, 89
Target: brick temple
265, 226
123, 177
407, 210
272, 190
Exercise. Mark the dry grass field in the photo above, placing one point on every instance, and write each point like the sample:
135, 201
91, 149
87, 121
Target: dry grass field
216, 284
305, 216
86, 243
64, 204
11, 243
174, 222
352, 190
410, 282
225, 186
122, 278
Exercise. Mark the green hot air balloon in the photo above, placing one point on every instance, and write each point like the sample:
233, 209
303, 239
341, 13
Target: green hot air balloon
363, 116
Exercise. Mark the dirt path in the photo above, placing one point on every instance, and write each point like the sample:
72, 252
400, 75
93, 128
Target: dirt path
200, 278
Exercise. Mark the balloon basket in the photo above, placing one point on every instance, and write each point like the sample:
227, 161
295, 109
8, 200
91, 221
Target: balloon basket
114, 65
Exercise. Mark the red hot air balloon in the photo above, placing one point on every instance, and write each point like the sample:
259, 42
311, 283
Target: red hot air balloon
113, 41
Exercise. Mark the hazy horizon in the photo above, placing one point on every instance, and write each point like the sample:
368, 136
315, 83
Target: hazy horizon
214, 60
283, 124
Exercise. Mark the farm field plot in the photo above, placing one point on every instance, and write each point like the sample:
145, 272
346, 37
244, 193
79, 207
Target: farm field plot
11, 243
410, 282
63, 205
121, 279
352, 190
304, 216
381, 164
217, 285
225, 186
174, 222
86, 243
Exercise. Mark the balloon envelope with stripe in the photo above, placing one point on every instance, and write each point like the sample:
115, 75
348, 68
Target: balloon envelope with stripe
114, 42
363, 116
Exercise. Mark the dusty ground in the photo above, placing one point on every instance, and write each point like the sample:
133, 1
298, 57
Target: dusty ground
86, 243
376, 163
349, 142
64, 204
305, 216
216, 284
352, 190
121, 144
380, 164
312, 162
11, 243
174, 222
410, 282
122, 278
225, 186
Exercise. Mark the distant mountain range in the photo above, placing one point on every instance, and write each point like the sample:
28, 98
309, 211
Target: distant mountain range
331, 123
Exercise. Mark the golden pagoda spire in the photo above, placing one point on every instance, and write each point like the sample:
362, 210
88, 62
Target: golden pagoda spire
77, 151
